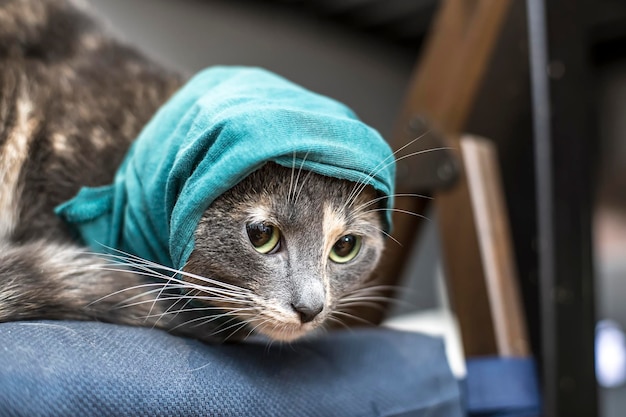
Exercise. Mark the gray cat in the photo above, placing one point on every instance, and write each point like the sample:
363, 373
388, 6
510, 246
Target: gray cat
282, 253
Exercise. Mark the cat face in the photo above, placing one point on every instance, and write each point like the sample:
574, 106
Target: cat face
280, 252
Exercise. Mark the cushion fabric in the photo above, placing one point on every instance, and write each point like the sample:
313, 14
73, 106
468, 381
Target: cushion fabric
53, 368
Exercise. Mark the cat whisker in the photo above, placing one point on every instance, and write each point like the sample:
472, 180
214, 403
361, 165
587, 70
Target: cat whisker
354, 191
421, 216
369, 298
180, 284
376, 290
151, 264
237, 329
338, 321
224, 323
146, 271
381, 299
218, 295
129, 301
193, 309
141, 269
372, 296
387, 234
269, 344
239, 324
164, 313
169, 280
195, 295
192, 295
298, 176
364, 184
211, 297
135, 287
370, 304
381, 165
204, 320
379, 287
375, 200
247, 322
302, 186
125, 304
264, 321
323, 329
293, 169
292, 190
353, 317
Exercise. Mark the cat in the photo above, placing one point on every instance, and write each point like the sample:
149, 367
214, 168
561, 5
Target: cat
282, 254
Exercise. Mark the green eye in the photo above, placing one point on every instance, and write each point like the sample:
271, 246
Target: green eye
265, 238
345, 249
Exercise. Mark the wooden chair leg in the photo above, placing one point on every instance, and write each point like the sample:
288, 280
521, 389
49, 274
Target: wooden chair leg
475, 236
478, 256
442, 91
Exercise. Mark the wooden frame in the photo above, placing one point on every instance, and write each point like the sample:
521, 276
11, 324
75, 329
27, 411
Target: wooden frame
475, 238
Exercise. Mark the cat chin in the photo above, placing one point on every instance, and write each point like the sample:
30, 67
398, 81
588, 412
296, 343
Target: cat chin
285, 332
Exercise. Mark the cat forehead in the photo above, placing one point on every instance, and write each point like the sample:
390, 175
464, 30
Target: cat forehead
334, 218
290, 197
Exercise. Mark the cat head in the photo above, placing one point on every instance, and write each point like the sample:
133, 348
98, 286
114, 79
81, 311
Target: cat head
281, 251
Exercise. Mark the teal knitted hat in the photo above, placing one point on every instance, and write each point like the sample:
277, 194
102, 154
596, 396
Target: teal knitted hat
225, 123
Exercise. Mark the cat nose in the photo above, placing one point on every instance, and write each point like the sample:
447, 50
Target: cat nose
308, 311
308, 298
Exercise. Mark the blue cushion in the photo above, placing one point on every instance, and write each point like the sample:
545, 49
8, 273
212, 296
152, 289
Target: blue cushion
87, 368
502, 387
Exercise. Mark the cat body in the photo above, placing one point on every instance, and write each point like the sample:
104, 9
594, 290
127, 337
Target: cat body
280, 253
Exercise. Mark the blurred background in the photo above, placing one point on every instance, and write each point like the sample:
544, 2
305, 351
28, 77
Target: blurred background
363, 52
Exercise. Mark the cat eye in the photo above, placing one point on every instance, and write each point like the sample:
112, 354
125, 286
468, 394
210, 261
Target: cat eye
265, 238
345, 249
